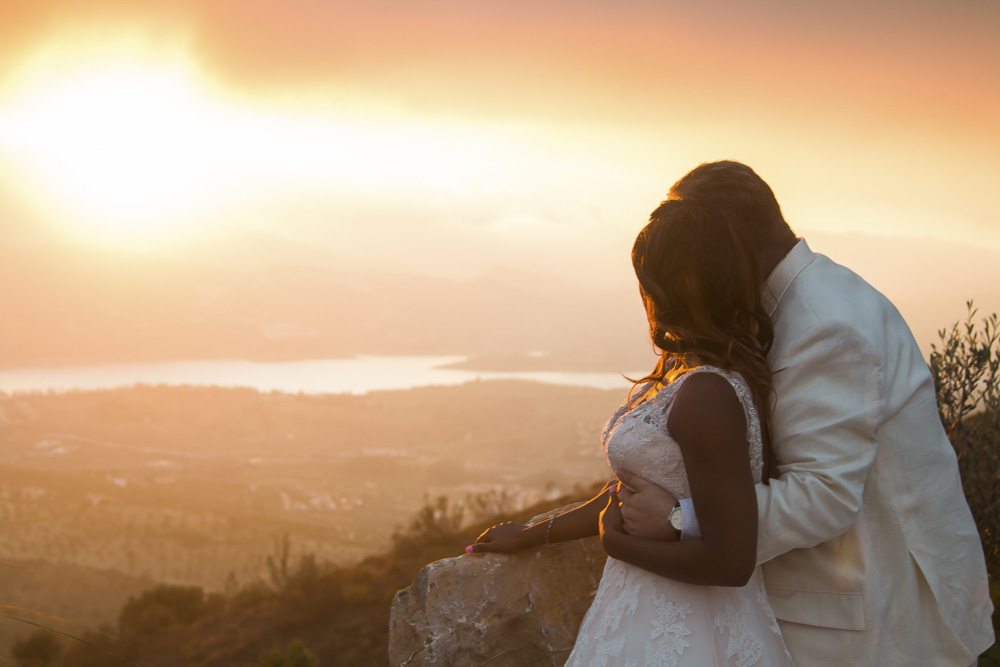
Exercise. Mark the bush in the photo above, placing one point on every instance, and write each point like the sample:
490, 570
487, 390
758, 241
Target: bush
39, 649
296, 655
250, 596
443, 520
967, 379
99, 650
439, 521
161, 607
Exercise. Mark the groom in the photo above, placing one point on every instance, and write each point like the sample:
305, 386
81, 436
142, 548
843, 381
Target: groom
870, 553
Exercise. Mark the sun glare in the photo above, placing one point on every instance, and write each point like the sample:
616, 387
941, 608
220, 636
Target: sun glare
112, 147
129, 147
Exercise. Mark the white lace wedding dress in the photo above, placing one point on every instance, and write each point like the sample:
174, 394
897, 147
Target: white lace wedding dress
642, 619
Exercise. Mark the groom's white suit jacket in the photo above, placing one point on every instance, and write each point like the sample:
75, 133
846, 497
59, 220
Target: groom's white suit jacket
871, 554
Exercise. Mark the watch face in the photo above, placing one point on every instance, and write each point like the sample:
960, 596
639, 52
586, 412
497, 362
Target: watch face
676, 518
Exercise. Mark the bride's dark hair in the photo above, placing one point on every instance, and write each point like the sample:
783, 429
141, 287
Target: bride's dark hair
701, 286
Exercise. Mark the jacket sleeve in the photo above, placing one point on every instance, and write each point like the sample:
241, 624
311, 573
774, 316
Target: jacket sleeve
828, 406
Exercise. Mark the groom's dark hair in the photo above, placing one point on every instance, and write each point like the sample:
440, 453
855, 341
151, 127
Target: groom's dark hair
736, 189
700, 263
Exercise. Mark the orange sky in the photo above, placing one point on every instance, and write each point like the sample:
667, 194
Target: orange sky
445, 136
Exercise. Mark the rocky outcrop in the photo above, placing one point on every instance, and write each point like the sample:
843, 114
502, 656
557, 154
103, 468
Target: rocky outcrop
497, 610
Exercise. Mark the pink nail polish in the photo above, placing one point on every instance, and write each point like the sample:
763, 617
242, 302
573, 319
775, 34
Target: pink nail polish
468, 550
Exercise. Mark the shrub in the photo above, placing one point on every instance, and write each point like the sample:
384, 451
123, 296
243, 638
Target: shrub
251, 595
99, 650
161, 607
443, 520
296, 655
967, 378
38, 649
439, 521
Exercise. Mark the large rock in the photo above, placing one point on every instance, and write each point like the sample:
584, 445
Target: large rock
497, 610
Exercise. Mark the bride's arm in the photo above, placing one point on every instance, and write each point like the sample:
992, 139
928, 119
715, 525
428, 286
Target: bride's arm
577, 523
708, 423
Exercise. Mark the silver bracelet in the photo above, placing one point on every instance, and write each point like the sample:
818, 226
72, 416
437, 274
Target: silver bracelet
549, 530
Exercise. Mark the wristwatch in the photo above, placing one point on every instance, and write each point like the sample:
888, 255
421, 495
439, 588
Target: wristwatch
676, 517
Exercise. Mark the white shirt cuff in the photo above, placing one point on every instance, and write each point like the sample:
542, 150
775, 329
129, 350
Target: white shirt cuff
689, 521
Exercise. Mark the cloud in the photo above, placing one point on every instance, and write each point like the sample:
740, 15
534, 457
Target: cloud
589, 104
636, 61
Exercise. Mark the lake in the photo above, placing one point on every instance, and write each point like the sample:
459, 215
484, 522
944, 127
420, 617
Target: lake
354, 375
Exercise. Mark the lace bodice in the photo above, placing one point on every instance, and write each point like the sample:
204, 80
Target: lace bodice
638, 440
640, 618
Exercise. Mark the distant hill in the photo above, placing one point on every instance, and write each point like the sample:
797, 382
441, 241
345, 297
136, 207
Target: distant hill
72, 307
66, 306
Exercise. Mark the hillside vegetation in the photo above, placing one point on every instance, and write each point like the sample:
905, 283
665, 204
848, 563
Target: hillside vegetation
106, 493
192, 486
308, 611
338, 614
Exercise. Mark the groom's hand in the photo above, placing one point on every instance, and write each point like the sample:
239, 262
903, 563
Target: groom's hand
645, 507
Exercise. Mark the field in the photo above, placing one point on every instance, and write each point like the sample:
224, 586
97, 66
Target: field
104, 493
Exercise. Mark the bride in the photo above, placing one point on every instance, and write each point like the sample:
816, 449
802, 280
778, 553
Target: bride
697, 426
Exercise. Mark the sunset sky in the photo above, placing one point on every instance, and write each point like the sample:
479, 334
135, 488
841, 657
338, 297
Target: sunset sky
447, 137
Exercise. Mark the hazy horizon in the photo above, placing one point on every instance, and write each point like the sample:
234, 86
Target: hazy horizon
161, 145
79, 307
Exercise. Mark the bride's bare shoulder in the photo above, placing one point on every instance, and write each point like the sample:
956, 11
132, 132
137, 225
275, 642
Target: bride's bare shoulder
706, 405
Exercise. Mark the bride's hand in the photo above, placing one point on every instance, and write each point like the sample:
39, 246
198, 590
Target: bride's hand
611, 517
504, 538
